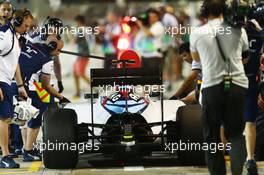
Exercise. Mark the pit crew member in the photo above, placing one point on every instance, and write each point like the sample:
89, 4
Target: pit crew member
224, 84
51, 26
195, 74
36, 58
9, 54
254, 32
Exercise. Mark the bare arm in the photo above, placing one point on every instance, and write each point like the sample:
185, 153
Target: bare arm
45, 79
1, 95
245, 57
18, 76
57, 68
195, 56
187, 82
190, 98
21, 90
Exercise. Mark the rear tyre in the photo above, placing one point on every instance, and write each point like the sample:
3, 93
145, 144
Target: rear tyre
191, 131
59, 133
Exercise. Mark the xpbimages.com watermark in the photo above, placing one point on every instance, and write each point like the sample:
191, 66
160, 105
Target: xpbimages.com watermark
79, 31
192, 146
60, 146
110, 89
187, 30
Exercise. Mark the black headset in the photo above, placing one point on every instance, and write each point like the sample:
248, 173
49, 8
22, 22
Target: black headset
55, 22
204, 11
18, 21
52, 46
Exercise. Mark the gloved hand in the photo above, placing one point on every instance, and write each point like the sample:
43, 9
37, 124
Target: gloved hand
60, 86
64, 100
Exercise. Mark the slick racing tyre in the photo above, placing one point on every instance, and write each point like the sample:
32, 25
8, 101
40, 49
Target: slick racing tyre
59, 135
191, 131
259, 152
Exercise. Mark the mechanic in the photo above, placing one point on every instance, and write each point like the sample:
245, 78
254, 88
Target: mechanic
51, 25
10, 50
80, 65
224, 84
255, 32
6, 12
152, 36
195, 74
36, 58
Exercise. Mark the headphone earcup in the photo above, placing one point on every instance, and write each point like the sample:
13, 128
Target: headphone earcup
18, 21
225, 8
52, 45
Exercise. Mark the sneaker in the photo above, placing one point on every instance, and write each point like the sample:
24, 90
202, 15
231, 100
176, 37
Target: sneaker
251, 167
13, 155
37, 153
8, 162
18, 151
30, 156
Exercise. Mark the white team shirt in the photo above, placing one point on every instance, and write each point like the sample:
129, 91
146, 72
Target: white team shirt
203, 41
196, 65
8, 63
47, 68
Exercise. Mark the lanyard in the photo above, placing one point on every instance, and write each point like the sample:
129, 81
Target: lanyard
225, 59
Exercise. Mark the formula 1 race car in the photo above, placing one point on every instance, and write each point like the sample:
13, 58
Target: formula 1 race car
124, 125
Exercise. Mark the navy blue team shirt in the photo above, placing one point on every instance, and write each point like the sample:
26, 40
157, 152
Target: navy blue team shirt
255, 45
32, 58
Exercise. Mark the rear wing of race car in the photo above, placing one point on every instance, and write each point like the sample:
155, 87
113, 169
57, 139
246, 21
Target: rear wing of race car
127, 76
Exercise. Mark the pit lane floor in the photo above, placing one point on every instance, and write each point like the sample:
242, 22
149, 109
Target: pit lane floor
83, 168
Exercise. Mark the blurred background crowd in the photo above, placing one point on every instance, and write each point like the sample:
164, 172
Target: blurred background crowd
116, 25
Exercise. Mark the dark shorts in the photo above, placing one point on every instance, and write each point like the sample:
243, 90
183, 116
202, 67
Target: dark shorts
6, 106
37, 103
251, 103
